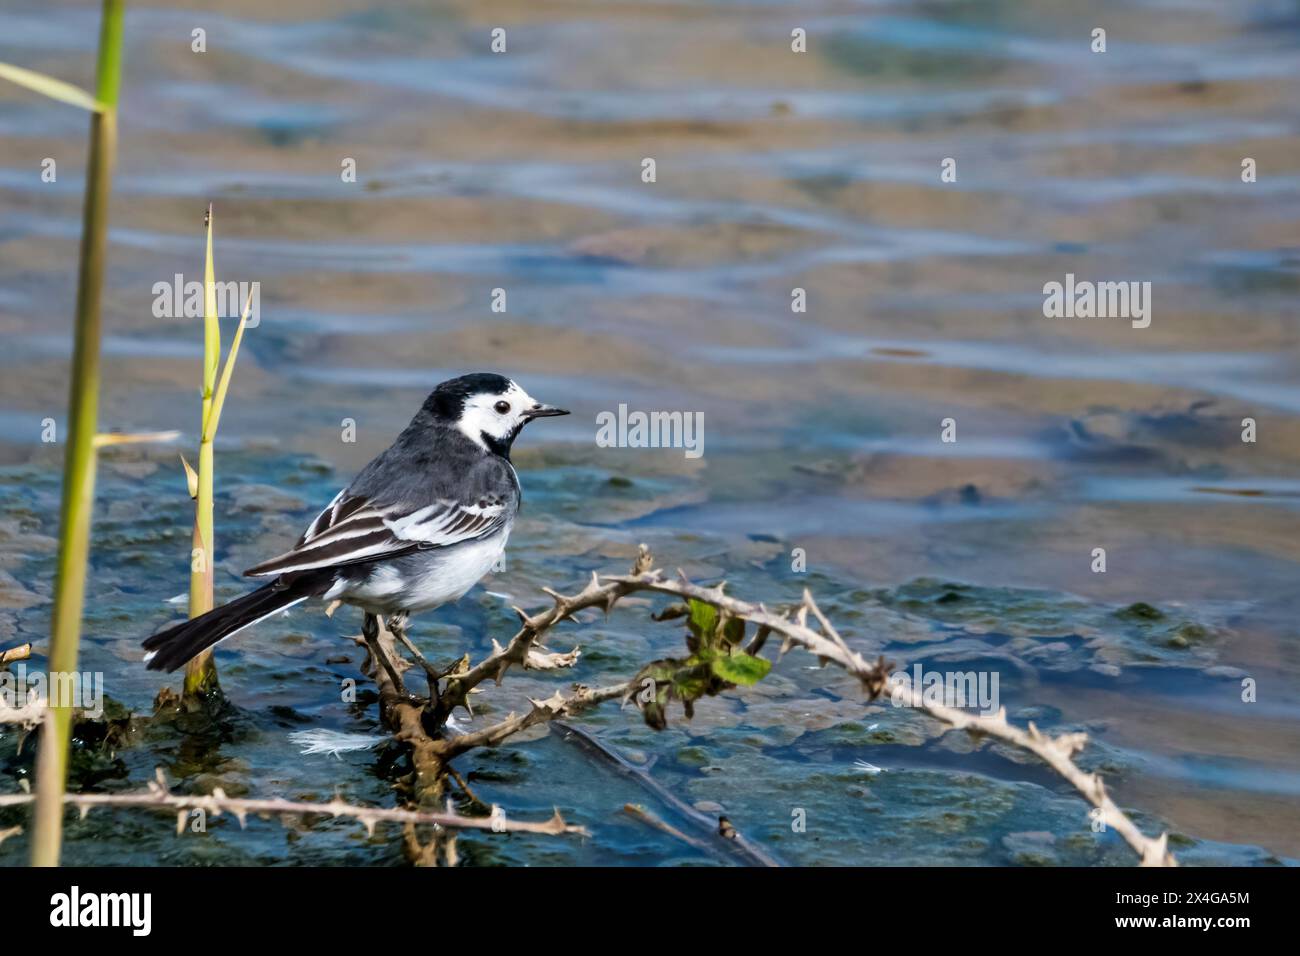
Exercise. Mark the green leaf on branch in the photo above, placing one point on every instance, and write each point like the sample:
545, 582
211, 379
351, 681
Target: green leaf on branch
733, 630
716, 663
690, 683
743, 669
653, 713
703, 623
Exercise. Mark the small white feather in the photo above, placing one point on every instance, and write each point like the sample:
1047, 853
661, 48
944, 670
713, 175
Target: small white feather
321, 740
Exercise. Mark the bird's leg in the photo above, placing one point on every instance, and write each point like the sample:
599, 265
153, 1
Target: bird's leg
370, 631
397, 624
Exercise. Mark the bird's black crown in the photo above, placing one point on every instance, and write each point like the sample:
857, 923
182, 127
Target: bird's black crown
448, 399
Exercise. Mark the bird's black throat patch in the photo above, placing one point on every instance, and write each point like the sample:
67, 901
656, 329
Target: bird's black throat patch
500, 446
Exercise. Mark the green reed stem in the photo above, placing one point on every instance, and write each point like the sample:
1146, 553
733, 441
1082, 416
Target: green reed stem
201, 671
79, 459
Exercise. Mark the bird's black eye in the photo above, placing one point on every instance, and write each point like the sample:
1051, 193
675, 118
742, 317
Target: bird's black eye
502, 407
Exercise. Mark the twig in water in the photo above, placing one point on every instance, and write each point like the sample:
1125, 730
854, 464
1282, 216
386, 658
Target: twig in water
638, 812
732, 844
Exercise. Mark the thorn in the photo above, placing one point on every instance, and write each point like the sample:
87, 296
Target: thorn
1071, 744
643, 562
1157, 851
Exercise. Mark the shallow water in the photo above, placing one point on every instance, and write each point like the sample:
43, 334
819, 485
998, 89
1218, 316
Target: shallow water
822, 429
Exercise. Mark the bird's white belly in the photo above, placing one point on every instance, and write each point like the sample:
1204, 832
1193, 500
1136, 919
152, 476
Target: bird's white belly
426, 580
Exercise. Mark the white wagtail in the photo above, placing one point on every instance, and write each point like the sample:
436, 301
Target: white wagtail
418, 527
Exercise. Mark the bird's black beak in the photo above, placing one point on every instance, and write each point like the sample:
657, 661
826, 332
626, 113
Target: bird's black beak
544, 411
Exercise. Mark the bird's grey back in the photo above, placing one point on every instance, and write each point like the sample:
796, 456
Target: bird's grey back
430, 461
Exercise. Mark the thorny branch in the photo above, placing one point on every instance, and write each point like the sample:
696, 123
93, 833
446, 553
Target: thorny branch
159, 797
541, 712
19, 652
403, 714
417, 723
521, 649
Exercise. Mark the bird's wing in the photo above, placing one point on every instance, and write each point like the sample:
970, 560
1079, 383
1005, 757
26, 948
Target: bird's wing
354, 529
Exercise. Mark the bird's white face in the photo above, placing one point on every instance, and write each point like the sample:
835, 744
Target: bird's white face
497, 415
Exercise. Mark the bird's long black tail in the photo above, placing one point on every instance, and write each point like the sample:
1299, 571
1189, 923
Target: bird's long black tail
171, 648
